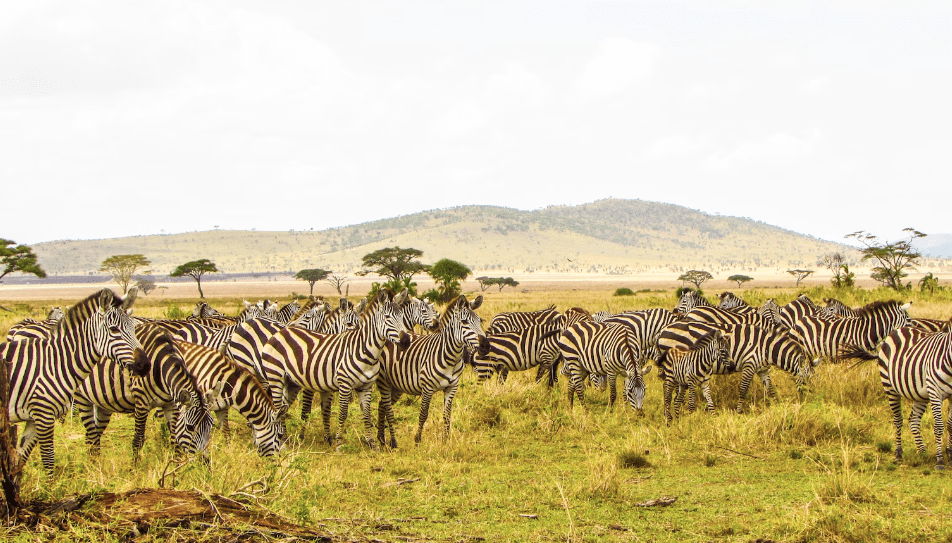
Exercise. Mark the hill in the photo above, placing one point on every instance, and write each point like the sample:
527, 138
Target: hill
608, 236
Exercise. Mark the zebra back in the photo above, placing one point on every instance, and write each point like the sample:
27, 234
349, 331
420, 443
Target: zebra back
715, 315
823, 337
517, 320
519, 351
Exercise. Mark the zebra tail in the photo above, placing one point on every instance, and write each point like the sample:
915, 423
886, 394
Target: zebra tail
856, 352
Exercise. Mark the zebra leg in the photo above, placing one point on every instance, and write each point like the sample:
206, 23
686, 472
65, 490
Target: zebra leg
326, 399
610, 379
307, 402
503, 375
937, 428
691, 392
45, 422
363, 397
27, 441
768, 384
895, 405
668, 389
915, 421
577, 377
706, 392
344, 397
91, 422
747, 375
448, 395
680, 392
221, 415
385, 411
425, 398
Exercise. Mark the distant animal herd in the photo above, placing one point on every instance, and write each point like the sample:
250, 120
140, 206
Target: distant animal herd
95, 358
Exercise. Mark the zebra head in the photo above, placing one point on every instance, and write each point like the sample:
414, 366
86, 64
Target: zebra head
114, 332
467, 325
193, 426
729, 301
56, 314
422, 312
382, 314
203, 310
634, 390
250, 311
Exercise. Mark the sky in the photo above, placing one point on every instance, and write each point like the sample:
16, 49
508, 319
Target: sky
122, 118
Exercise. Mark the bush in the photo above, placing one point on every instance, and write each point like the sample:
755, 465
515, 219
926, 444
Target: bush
175, 312
624, 291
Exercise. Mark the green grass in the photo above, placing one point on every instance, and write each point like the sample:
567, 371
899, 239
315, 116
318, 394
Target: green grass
520, 465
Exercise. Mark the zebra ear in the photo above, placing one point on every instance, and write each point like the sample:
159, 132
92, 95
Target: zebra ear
646, 369
213, 395
906, 306
183, 397
130, 298
106, 300
401, 298
362, 305
246, 303
477, 301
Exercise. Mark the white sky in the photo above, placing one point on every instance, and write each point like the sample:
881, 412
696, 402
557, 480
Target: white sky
126, 118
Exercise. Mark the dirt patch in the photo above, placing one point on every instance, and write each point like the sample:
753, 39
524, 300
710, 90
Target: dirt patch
157, 514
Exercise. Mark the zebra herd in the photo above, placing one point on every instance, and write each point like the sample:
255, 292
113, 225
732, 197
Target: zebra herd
98, 358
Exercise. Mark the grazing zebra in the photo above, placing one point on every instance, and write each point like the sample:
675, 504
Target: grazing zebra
533, 346
752, 350
839, 308
799, 308
823, 337
915, 365
692, 368
589, 347
167, 385
346, 363
429, 363
45, 372
236, 388
689, 300
646, 326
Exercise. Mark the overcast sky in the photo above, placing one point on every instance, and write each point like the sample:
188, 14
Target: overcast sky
128, 118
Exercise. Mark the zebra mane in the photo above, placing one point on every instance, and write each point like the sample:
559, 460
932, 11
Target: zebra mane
875, 307
165, 336
445, 316
306, 306
806, 299
372, 304
81, 311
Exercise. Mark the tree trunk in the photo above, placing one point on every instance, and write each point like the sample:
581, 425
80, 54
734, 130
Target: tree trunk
200, 293
9, 460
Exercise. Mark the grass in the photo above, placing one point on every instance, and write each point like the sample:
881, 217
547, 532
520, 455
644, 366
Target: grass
520, 465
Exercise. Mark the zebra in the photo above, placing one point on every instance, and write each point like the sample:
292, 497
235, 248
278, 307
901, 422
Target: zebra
752, 350
34, 329
167, 385
203, 310
771, 312
284, 314
417, 311
646, 326
839, 308
532, 346
915, 365
44, 373
824, 337
238, 389
690, 299
729, 300
799, 308
930, 325
715, 315
429, 363
517, 320
347, 363
589, 347
692, 368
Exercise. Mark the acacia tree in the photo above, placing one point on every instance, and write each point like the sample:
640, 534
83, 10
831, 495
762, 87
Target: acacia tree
740, 279
697, 277
800, 274
447, 274
338, 282
195, 269
146, 284
894, 258
18, 258
312, 276
836, 263
397, 265
123, 267
929, 283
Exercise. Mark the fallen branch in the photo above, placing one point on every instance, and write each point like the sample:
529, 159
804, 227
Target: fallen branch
526, 515
663, 501
741, 453
400, 482
210, 502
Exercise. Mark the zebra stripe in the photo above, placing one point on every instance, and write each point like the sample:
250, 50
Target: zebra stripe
590, 347
693, 368
347, 363
519, 351
823, 337
729, 300
517, 320
429, 363
689, 300
236, 388
715, 315
45, 372
837, 307
167, 385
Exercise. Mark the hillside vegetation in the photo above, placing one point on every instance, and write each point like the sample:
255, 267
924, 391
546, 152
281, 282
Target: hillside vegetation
621, 236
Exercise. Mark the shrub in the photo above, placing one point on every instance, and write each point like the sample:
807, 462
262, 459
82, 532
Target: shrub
624, 291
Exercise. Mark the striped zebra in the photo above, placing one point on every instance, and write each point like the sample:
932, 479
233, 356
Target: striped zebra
799, 308
716, 315
525, 349
689, 300
428, 364
589, 347
771, 311
752, 350
517, 320
44, 373
692, 368
284, 314
235, 388
729, 300
347, 363
915, 365
930, 325
839, 308
34, 329
825, 337
646, 326
167, 385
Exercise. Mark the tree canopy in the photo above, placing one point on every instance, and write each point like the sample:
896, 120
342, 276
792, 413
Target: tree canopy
195, 269
447, 274
894, 258
123, 267
800, 274
697, 277
312, 276
18, 258
486, 282
397, 265
740, 279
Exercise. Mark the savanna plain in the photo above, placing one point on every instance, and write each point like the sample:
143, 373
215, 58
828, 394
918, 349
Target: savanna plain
521, 465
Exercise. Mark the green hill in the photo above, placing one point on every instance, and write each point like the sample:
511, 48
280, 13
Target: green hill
620, 236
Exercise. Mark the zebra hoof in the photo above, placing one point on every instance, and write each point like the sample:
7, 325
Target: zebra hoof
940, 467
329, 440
393, 443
